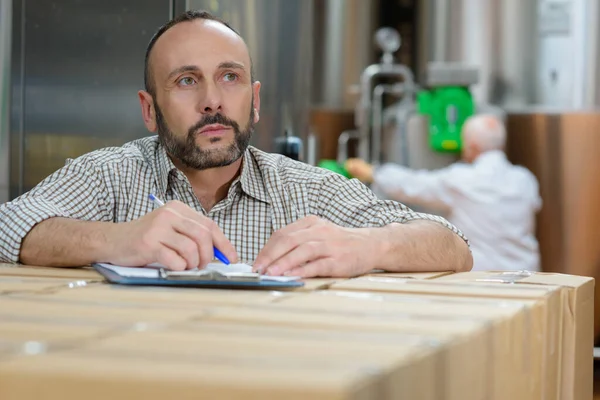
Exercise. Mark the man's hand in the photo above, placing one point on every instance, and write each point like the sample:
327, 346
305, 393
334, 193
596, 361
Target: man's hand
360, 170
312, 247
174, 235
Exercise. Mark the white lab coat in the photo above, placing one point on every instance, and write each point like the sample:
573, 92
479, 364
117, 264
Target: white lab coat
492, 201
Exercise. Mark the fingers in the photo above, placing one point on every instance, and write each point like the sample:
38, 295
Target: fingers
284, 241
300, 255
173, 235
204, 231
171, 259
221, 242
352, 165
183, 246
316, 268
299, 225
200, 234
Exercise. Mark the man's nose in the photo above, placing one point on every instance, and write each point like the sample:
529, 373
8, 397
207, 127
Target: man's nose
211, 102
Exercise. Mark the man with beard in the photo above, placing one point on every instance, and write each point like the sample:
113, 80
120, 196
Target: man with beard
282, 216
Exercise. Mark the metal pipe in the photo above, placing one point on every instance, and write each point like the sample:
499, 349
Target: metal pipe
363, 114
377, 135
344, 138
404, 116
312, 148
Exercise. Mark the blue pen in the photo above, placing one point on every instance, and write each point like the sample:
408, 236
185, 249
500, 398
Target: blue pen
220, 256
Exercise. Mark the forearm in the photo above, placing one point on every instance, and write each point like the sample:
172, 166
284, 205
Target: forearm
65, 242
422, 246
417, 187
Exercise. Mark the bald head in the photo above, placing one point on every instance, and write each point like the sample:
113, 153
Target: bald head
481, 133
188, 16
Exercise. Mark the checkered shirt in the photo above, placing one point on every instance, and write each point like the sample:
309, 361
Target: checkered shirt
113, 184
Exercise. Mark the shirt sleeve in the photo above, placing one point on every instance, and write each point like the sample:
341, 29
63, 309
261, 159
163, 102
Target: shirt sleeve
75, 191
431, 189
351, 204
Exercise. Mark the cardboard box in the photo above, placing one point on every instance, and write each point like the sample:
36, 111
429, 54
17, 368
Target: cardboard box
47, 331
577, 303
316, 284
87, 273
410, 275
43, 308
165, 297
508, 319
27, 338
546, 316
98, 376
463, 341
400, 338
405, 370
18, 284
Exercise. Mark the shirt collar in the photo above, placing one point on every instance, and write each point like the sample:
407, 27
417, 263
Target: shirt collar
164, 167
491, 156
251, 179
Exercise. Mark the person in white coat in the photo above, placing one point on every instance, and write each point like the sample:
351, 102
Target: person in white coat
492, 201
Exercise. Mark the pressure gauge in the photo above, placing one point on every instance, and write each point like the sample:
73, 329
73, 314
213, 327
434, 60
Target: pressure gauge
388, 40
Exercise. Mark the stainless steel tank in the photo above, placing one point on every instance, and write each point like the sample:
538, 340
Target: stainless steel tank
279, 34
541, 52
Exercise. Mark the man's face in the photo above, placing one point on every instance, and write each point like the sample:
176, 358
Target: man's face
205, 104
197, 156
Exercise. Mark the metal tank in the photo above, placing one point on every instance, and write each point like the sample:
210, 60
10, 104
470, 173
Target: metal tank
538, 52
343, 48
496, 36
279, 36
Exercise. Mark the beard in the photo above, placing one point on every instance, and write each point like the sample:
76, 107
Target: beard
194, 156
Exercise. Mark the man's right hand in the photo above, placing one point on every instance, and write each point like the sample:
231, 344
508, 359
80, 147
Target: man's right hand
174, 235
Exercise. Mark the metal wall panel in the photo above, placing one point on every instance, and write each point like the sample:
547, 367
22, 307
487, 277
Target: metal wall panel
16, 99
279, 35
77, 67
5, 30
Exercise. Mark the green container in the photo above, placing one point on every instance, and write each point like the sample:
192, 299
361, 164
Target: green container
334, 166
447, 109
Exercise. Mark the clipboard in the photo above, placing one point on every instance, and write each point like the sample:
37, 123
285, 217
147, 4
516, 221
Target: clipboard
198, 279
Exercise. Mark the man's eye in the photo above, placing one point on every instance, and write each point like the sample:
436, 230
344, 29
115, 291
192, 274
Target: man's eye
187, 81
230, 77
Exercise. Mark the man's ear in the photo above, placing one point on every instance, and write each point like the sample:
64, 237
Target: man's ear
256, 92
148, 112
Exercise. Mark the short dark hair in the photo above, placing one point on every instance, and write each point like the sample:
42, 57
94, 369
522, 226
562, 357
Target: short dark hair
185, 17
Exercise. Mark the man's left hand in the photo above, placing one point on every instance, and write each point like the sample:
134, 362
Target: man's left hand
360, 169
312, 247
